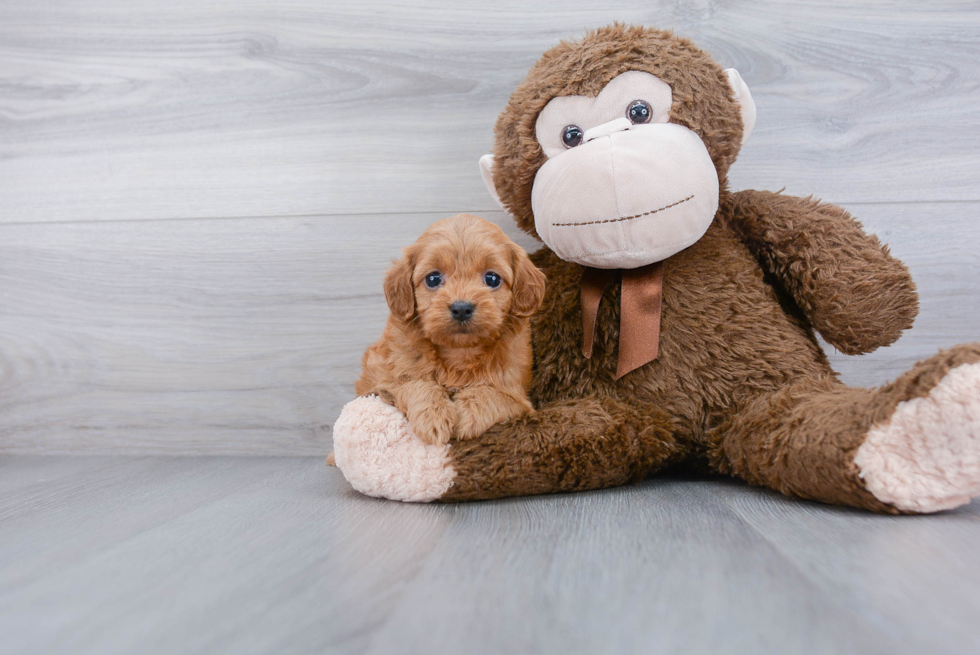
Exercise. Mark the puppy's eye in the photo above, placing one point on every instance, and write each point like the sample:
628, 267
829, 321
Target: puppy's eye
639, 112
571, 136
492, 280
433, 279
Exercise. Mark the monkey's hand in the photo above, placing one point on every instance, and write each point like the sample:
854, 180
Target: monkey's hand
851, 289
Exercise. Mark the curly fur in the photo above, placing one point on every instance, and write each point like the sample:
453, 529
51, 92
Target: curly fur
452, 378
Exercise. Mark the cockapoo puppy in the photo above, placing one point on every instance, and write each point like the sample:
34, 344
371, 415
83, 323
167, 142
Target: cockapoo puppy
455, 355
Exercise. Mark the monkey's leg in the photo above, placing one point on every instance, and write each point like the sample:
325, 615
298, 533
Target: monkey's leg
910, 446
587, 443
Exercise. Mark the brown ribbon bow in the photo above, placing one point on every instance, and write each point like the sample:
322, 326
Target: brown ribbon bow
639, 313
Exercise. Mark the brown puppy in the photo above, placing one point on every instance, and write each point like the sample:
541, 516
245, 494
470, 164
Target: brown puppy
455, 356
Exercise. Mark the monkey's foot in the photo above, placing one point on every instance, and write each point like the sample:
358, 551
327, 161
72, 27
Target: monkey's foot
380, 456
926, 457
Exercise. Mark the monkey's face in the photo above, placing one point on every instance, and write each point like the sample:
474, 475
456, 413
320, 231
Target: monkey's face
622, 186
625, 172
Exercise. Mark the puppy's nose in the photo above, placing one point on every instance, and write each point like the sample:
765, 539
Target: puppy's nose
462, 310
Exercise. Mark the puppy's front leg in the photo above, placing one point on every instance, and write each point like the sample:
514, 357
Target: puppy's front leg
480, 408
429, 409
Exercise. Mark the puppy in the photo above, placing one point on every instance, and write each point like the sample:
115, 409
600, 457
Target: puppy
455, 355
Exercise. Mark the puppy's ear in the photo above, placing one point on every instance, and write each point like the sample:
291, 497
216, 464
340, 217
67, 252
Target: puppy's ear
399, 290
528, 286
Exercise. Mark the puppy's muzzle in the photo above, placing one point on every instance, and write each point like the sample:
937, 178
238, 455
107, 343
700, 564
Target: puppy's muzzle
462, 310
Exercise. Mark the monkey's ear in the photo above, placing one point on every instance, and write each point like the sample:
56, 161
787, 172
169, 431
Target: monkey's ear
486, 170
399, 291
528, 286
744, 97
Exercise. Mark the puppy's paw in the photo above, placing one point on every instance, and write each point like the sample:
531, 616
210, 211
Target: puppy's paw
468, 431
383, 395
479, 410
434, 424
471, 423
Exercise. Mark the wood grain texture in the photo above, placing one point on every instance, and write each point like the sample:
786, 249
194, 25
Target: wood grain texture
115, 110
260, 555
206, 555
245, 336
658, 568
876, 567
239, 336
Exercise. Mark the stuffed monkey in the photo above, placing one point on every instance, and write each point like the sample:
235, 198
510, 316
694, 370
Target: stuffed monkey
678, 324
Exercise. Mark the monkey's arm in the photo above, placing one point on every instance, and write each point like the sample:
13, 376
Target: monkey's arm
575, 445
851, 289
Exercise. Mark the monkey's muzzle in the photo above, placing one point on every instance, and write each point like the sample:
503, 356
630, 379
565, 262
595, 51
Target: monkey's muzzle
626, 199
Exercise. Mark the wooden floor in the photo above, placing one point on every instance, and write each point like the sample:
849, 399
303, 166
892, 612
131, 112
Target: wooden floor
197, 202
276, 555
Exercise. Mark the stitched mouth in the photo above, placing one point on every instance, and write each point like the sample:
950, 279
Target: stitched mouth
626, 218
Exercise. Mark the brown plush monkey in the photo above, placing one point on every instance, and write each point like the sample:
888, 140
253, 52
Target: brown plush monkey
678, 324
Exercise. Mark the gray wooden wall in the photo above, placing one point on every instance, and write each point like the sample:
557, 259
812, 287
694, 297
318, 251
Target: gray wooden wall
198, 198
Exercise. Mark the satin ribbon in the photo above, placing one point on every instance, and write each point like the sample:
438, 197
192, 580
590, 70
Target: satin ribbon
639, 313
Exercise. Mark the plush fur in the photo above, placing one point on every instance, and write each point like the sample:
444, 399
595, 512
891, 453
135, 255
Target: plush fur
702, 101
453, 378
741, 385
398, 465
924, 458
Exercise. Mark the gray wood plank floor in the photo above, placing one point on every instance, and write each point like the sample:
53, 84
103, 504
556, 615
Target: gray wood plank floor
218, 555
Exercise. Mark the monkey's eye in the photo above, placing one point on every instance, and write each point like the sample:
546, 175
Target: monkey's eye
639, 112
433, 279
571, 136
491, 279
